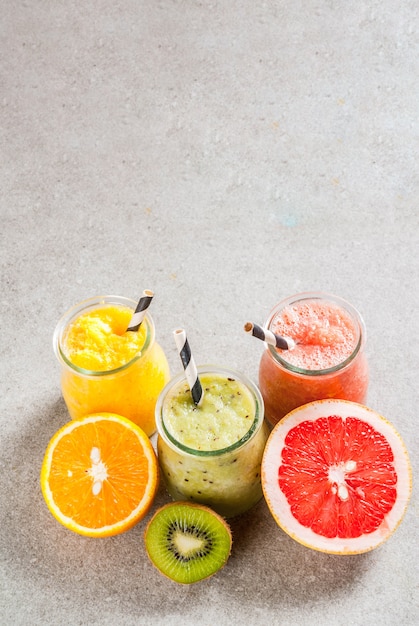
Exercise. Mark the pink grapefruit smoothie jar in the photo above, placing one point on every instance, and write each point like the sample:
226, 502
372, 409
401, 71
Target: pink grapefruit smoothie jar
328, 360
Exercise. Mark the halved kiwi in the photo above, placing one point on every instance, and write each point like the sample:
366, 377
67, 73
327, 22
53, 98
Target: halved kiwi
187, 542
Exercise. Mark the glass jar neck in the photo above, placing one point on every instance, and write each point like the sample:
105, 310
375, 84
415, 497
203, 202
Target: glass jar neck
356, 318
178, 446
86, 307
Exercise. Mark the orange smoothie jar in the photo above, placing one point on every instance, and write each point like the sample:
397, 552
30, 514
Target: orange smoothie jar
328, 360
106, 369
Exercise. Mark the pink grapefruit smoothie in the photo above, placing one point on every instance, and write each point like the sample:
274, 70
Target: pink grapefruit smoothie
327, 361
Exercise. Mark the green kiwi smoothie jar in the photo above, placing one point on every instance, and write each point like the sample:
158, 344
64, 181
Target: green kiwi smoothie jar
211, 453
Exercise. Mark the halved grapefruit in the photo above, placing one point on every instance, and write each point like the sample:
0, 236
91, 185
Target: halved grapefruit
336, 476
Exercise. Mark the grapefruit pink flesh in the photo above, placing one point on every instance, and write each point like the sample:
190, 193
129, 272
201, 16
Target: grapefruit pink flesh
336, 476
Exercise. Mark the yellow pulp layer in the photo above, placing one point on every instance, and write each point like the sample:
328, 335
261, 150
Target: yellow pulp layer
98, 341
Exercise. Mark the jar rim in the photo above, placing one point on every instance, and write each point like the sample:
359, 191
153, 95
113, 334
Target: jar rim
326, 297
91, 304
210, 369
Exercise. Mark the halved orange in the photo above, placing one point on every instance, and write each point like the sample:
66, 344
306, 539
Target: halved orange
99, 475
336, 476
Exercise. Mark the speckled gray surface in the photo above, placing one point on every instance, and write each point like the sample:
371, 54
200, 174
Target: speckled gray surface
225, 155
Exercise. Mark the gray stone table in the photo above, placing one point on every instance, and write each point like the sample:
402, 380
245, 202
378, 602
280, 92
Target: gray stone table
225, 154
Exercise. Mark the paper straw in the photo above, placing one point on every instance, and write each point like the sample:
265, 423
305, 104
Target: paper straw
189, 366
141, 310
284, 343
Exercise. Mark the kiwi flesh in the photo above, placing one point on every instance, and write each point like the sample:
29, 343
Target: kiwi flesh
187, 542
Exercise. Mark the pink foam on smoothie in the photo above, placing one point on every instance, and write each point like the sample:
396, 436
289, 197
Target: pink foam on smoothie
325, 334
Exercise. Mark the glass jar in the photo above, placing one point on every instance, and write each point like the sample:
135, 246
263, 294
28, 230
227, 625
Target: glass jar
328, 360
130, 389
227, 478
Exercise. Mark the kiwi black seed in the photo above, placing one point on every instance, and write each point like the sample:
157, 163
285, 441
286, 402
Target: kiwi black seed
187, 542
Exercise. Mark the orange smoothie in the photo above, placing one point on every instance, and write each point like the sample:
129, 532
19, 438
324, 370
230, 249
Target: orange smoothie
328, 360
105, 368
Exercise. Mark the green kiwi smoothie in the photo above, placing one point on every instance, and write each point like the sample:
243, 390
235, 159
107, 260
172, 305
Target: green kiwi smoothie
211, 453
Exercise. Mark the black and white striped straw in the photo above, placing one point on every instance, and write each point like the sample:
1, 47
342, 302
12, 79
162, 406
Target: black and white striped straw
189, 366
141, 310
284, 343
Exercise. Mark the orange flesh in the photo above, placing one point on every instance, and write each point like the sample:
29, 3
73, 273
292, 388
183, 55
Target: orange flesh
108, 456
338, 476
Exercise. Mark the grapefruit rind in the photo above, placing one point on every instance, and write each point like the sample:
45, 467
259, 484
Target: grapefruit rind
143, 505
278, 504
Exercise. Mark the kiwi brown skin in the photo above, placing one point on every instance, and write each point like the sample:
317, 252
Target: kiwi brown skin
224, 529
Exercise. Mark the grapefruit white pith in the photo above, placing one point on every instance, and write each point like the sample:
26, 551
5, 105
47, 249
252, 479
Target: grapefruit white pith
336, 476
